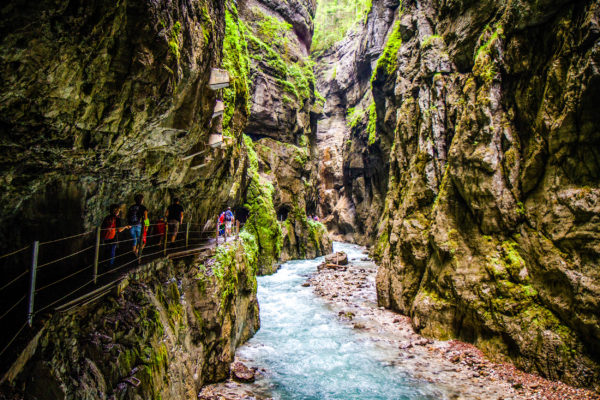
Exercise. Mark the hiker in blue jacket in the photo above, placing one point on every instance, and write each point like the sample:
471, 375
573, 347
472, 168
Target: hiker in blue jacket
229, 218
136, 215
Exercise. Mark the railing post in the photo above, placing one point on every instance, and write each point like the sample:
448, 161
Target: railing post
34, 264
97, 254
225, 232
187, 235
166, 238
237, 229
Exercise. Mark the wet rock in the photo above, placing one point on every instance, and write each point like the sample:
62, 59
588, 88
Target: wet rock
339, 258
242, 373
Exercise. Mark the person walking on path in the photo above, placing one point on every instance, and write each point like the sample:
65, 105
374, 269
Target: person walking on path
175, 218
145, 230
111, 225
221, 225
136, 214
161, 227
229, 219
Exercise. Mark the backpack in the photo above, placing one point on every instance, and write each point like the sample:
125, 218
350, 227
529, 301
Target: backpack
228, 216
133, 215
109, 227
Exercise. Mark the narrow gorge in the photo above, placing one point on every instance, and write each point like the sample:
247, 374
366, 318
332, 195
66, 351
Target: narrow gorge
456, 140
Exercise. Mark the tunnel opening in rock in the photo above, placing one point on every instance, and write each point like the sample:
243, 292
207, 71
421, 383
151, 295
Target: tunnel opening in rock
283, 213
241, 214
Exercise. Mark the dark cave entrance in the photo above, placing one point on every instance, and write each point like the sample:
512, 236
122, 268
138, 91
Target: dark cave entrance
241, 214
283, 212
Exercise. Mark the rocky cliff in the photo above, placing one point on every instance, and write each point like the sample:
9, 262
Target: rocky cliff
353, 163
102, 101
281, 128
483, 142
166, 331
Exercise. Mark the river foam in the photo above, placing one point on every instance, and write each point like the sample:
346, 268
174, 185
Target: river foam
307, 353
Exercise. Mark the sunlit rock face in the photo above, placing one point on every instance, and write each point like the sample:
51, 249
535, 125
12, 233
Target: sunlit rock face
352, 171
490, 227
283, 112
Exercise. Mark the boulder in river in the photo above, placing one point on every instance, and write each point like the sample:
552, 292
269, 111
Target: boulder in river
241, 372
339, 258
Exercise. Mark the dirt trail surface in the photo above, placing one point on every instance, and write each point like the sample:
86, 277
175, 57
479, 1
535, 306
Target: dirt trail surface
458, 367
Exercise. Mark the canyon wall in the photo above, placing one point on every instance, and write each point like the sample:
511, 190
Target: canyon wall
353, 164
480, 148
282, 124
490, 228
104, 100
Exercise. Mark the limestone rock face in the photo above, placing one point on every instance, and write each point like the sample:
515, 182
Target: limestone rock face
490, 227
165, 333
352, 171
281, 123
102, 100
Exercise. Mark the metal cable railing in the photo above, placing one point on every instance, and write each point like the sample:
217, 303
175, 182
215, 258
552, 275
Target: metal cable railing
83, 268
66, 272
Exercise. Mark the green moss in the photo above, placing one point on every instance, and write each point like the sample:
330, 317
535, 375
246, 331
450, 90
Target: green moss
428, 41
334, 18
268, 45
174, 39
354, 115
262, 222
372, 125
236, 61
520, 208
320, 98
383, 242
388, 61
316, 232
484, 67
225, 272
271, 29
513, 260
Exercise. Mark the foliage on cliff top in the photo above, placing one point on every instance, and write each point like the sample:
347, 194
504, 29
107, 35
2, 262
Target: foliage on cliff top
262, 221
334, 18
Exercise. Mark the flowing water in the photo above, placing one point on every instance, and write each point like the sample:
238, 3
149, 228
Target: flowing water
308, 353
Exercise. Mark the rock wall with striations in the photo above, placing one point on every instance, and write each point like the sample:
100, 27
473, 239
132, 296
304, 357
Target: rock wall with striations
282, 123
490, 226
102, 100
353, 164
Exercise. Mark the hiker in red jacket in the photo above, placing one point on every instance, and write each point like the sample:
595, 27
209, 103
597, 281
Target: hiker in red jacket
111, 225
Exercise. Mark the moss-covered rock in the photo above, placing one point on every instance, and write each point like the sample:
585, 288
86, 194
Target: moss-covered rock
174, 327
